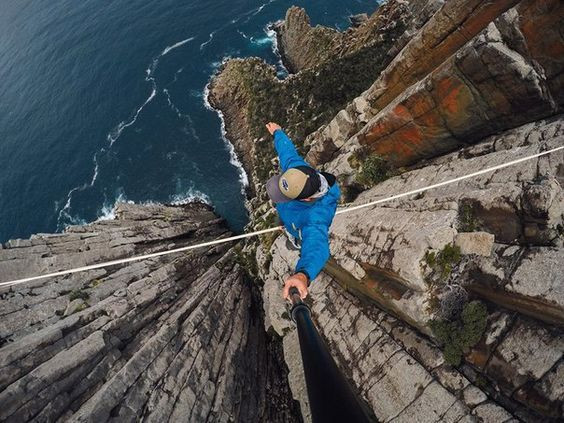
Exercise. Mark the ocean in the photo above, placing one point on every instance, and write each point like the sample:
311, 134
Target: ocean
103, 102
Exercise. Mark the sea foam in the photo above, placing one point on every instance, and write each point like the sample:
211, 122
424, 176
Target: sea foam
233, 159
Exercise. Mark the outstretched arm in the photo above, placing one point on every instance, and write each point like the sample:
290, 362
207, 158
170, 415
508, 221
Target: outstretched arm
285, 148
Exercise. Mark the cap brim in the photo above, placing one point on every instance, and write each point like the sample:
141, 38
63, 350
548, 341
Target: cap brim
273, 190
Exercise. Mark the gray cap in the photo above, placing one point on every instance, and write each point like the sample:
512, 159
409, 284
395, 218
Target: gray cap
273, 190
296, 183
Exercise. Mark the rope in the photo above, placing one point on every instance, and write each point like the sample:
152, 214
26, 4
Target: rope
264, 231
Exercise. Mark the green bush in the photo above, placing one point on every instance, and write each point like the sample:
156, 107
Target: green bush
373, 170
466, 219
443, 262
79, 293
459, 336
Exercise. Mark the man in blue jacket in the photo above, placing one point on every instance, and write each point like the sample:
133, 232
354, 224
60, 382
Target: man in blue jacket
306, 201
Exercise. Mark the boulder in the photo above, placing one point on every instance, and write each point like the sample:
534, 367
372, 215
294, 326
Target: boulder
480, 243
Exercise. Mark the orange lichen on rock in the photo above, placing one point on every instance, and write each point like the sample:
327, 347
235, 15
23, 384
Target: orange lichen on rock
448, 91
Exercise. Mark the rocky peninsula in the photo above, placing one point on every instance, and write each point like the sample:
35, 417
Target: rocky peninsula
444, 306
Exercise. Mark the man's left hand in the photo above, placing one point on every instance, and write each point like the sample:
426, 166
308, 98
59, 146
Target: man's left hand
272, 127
299, 280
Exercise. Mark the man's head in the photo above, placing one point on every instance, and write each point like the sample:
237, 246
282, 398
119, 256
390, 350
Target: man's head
297, 183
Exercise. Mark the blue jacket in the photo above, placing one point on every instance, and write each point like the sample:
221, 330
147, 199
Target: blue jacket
307, 221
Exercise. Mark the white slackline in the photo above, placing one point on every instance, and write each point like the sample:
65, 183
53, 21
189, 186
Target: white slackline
264, 231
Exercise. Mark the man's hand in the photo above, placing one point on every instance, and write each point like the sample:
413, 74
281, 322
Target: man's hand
299, 280
272, 127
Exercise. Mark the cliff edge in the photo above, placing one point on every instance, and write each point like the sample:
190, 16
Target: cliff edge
167, 339
448, 305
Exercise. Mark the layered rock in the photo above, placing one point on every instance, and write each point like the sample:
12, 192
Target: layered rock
508, 225
171, 338
303, 46
446, 88
429, 101
465, 88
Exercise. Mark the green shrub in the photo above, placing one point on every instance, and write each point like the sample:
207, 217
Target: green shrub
443, 262
79, 293
466, 220
373, 170
96, 282
459, 336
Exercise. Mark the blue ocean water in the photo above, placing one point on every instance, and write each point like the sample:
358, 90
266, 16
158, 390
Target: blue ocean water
104, 101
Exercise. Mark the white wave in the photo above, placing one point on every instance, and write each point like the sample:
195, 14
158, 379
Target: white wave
108, 211
256, 11
209, 40
273, 36
171, 104
96, 167
178, 44
191, 196
149, 71
261, 41
192, 129
260, 8
116, 133
65, 215
242, 34
234, 160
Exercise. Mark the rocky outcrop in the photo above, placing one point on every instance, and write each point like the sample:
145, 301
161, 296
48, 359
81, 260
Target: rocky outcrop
167, 339
381, 256
303, 46
505, 76
486, 213
445, 306
459, 287
403, 376
249, 94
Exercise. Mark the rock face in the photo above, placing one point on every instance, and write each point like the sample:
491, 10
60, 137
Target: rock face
443, 306
380, 255
464, 85
429, 101
303, 46
249, 94
172, 338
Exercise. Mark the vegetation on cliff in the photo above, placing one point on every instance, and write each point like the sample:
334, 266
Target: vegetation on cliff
457, 337
251, 94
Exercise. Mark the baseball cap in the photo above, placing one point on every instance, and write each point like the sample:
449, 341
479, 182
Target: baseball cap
296, 183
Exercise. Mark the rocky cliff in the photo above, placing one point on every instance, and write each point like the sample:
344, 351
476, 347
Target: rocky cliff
249, 93
443, 306
175, 338
449, 305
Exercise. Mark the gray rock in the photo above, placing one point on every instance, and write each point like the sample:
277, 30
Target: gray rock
162, 339
540, 275
480, 243
473, 396
528, 352
491, 412
74, 306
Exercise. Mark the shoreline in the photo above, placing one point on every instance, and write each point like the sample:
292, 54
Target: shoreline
233, 158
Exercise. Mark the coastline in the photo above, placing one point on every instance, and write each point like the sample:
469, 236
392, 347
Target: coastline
234, 159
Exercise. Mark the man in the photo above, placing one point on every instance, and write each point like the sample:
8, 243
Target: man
306, 201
